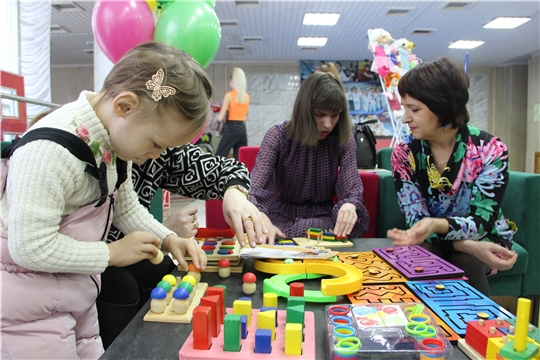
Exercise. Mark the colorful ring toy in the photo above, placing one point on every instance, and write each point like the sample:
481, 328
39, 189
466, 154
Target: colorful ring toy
338, 310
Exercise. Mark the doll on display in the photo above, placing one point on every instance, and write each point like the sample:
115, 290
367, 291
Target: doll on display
391, 82
379, 39
403, 51
413, 60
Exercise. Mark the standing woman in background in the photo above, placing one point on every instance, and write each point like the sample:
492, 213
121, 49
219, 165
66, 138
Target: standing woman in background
236, 102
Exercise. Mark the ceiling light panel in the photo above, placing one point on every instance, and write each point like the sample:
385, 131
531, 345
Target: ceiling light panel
312, 41
246, 3
398, 11
323, 19
506, 22
465, 44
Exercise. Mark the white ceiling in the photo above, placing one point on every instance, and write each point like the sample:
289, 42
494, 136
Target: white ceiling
279, 22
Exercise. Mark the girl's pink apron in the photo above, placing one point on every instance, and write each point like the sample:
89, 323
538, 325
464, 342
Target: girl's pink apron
53, 315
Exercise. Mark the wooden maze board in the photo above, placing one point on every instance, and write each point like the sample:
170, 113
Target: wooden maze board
374, 269
325, 244
394, 294
170, 316
457, 302
409, 259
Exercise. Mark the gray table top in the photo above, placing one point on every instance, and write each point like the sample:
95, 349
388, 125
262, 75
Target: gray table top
154, 340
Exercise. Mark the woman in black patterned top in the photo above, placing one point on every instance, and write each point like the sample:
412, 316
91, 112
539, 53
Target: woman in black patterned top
186, 171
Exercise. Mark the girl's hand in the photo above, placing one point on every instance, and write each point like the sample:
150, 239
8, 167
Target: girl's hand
273, 231
132, 248
183, 222
243, 217
180, 246
493, 255
346, 219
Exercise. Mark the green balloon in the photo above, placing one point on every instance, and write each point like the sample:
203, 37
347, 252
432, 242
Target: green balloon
190, 26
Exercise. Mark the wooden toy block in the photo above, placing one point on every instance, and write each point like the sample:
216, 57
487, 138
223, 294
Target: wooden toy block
509, 350
409, 259
231, 330
219, 291
374, 269
202, 328
213, 303
295, 314
296, 289
266, 308
478, 333
170, 316
293, 339
247, 351
243, 307
494, 345
263, 341
267, 320
295, 300
270, 299
243, 327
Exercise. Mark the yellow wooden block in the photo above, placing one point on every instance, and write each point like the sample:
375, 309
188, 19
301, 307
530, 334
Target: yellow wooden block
494, 345
243, 307
267, 320
270, 299
293, 339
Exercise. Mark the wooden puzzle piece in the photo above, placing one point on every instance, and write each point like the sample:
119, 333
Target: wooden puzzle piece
170, 316
248, 345
394, 294
416, 263
374, 269
457, 303
323, 243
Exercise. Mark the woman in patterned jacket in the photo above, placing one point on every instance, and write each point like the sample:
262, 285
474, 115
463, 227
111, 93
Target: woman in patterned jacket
186, 171
451, 177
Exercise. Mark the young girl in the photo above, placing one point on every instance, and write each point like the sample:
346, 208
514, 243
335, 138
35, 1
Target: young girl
236, 103
53, 215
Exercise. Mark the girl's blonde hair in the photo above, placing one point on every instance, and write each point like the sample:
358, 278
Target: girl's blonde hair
186, 76
238, 79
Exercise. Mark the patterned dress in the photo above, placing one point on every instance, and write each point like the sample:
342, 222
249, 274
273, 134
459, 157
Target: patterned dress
295, 185
186, 171
468, 193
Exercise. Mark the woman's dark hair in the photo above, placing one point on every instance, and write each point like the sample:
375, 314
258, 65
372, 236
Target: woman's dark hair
443, 87
323, 92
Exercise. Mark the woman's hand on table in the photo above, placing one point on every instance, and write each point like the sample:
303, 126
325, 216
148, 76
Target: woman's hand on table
413, 236
346, 219
243, 217
178, 247
183, 222
495, 256
273, 231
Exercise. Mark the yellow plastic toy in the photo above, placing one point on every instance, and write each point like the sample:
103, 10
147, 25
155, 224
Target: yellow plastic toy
348, 278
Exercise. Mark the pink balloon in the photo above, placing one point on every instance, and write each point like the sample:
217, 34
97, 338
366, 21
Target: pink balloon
120, 25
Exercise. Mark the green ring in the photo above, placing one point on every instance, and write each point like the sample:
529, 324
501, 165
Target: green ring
348, 345
416, 325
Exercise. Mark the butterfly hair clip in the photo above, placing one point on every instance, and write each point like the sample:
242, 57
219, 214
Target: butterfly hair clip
159, 90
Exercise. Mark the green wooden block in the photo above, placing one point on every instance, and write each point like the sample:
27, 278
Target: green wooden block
231, 331
295, 314
296, 300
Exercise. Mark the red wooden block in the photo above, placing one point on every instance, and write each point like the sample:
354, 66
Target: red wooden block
477, 336
296, 289
213, 303
221, 293
202, 324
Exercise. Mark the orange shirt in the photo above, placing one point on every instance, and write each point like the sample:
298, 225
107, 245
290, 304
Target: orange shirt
237, 111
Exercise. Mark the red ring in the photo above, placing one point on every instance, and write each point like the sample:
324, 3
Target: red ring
338, 310
425, 343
